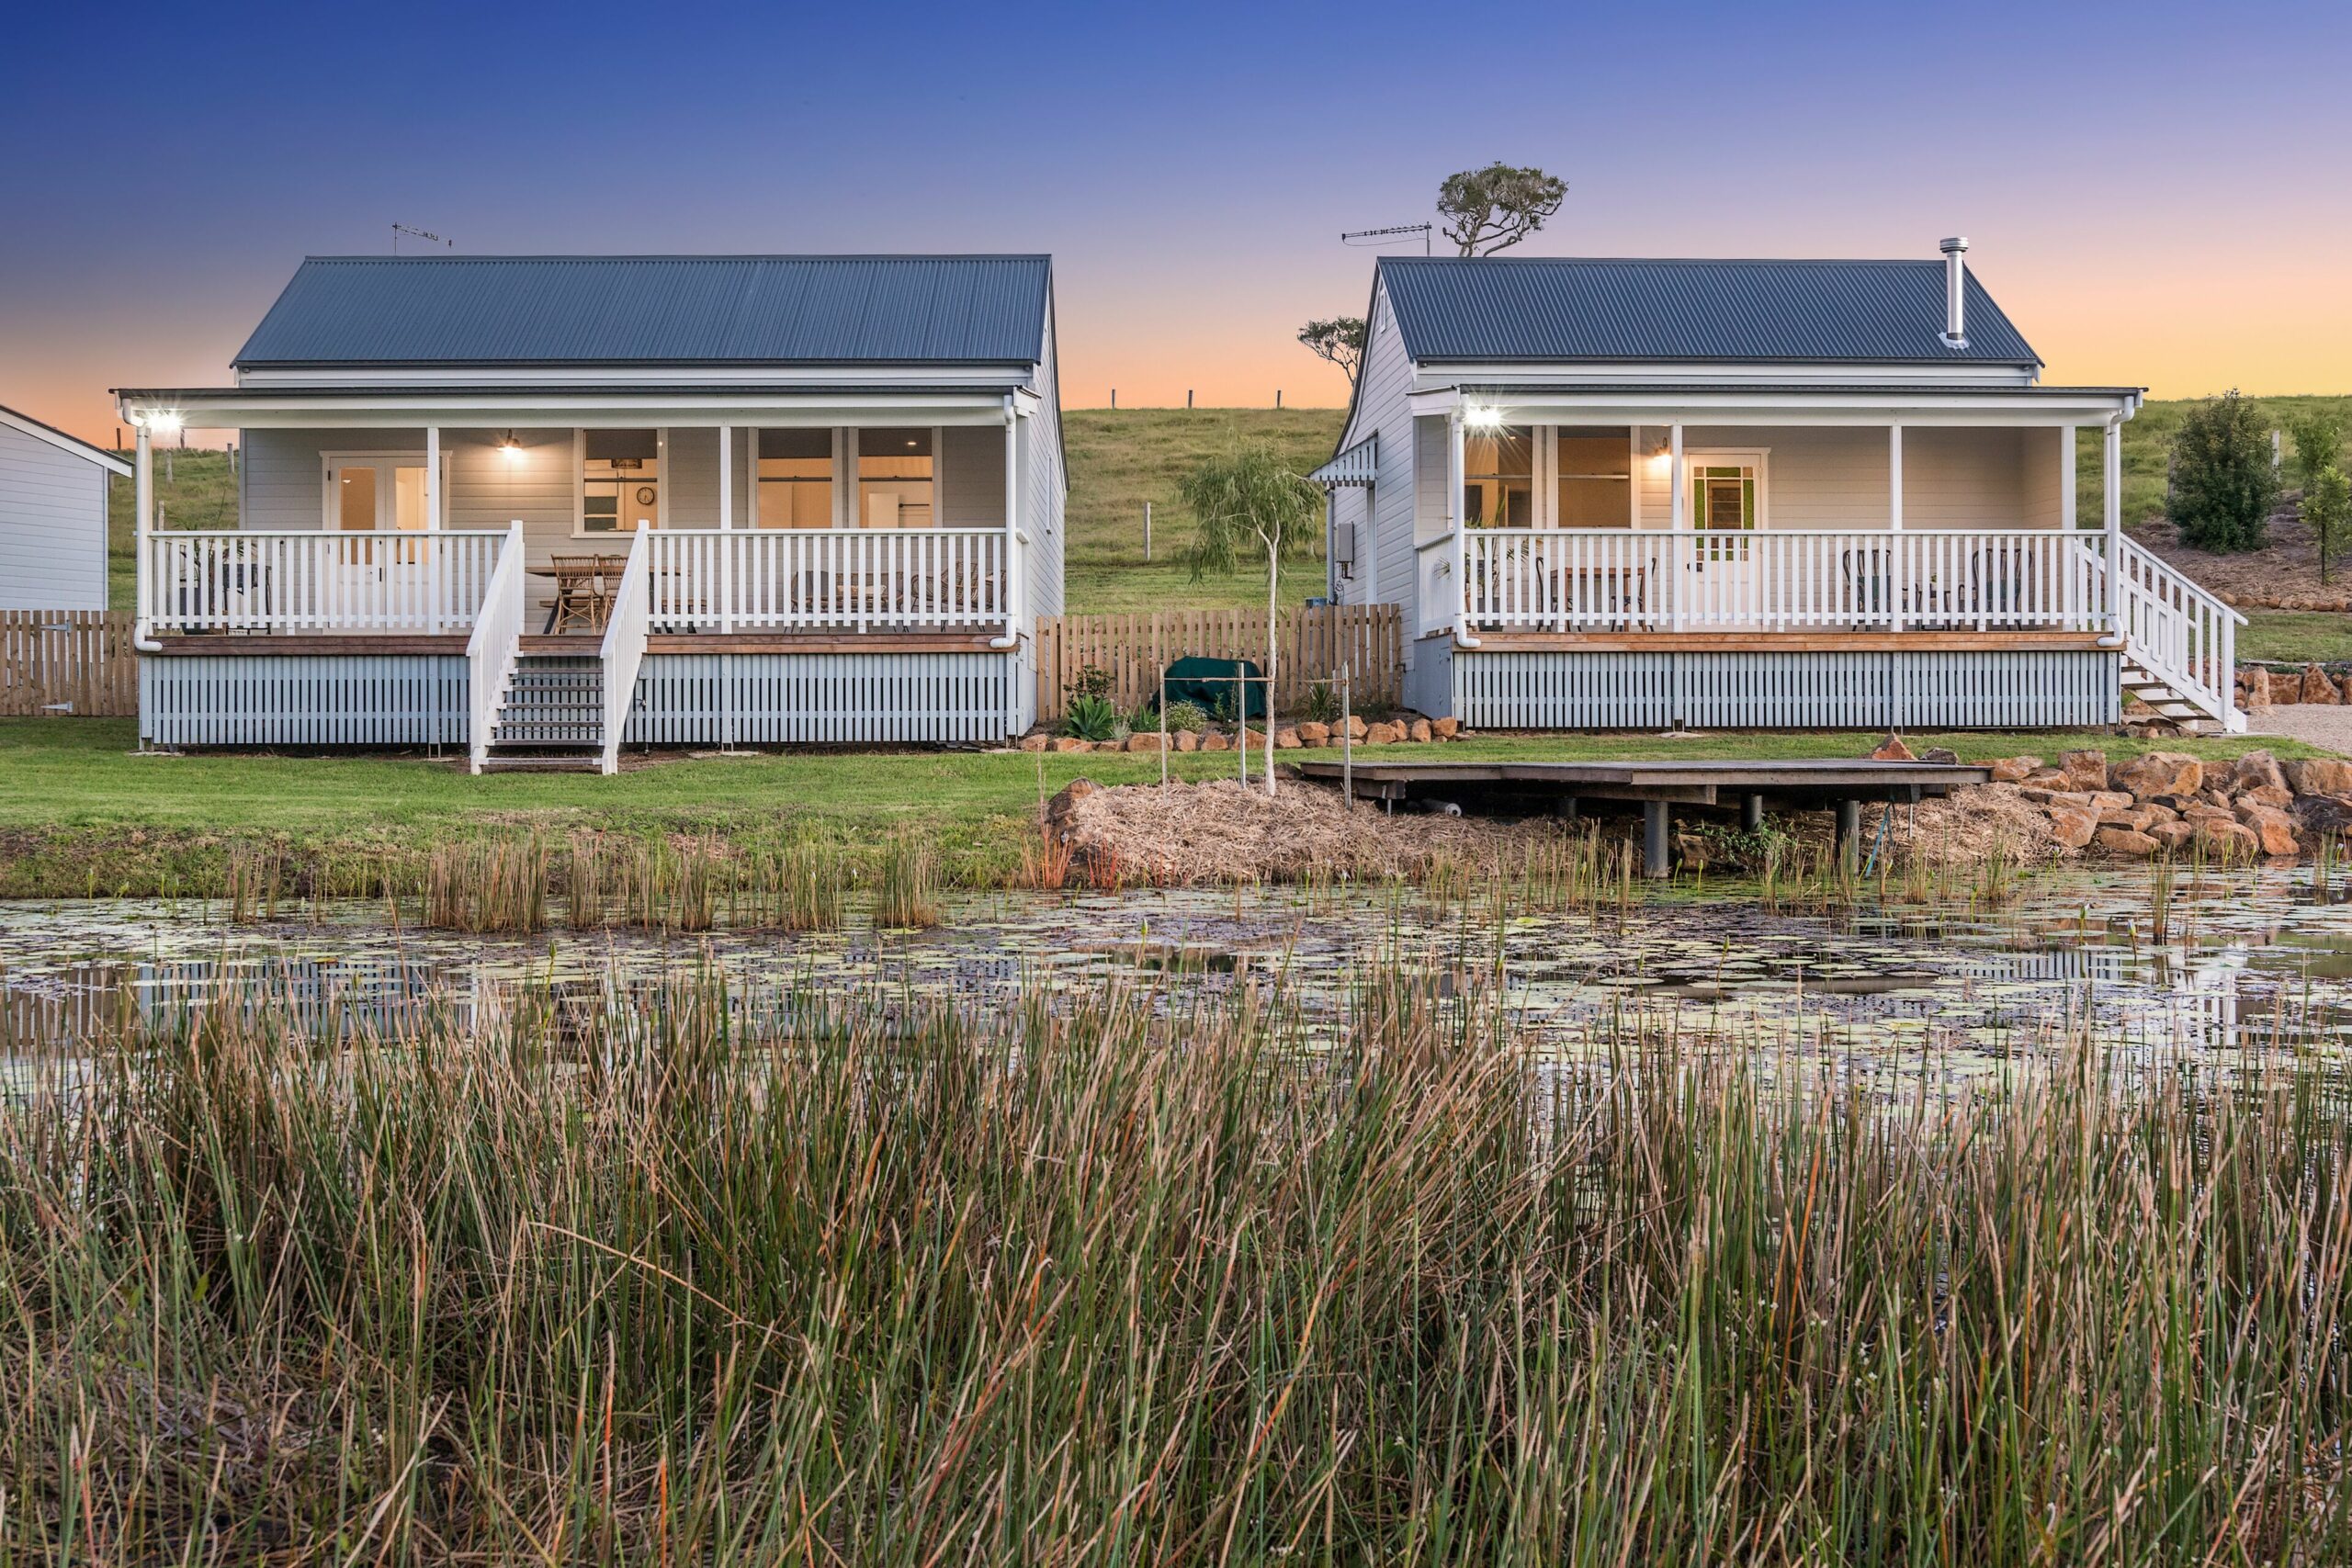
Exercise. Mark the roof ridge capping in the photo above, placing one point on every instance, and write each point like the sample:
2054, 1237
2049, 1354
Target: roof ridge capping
704, 256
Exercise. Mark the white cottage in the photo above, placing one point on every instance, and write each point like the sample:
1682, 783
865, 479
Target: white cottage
541, 506
52, 516
1645, 493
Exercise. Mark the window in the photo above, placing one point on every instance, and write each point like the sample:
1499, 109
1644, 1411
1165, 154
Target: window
1594, 471
621, 480
895, 475
1726, 499
1499, 477
796, 479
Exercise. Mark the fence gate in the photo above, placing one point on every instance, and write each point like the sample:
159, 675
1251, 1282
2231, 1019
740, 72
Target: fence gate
1134, 650
68, 661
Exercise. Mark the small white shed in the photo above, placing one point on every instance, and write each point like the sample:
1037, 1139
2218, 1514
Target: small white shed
53, 517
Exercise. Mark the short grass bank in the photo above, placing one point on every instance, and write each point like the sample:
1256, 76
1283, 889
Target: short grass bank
2295, 637
1093, 1280
82, 814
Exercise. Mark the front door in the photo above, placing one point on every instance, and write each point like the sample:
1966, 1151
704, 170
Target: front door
373, 495
1726, 490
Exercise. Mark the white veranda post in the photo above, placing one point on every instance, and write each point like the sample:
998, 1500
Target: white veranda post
143, 519
725, 525
433, 520
2111, 506
1893, 521
1678, 512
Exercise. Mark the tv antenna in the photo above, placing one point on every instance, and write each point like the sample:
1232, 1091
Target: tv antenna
1390, 235
426, 235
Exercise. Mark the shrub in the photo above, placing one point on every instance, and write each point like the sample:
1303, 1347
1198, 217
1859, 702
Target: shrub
1186, 717
1322, 703
1091, 681
1144, 719
1091, 717
2223, 483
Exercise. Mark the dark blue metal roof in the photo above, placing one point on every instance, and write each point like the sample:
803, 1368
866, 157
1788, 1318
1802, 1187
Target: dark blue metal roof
1573, 308
657, 310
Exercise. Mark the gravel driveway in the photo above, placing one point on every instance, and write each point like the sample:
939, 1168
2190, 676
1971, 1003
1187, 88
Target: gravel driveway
2317, 724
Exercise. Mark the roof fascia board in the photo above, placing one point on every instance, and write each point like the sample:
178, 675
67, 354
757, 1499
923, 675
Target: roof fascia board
1552, 372
258, 409
1668, 406
73, 445
992, 372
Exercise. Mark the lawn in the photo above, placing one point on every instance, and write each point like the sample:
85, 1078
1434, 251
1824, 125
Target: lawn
82, 812
2295, 637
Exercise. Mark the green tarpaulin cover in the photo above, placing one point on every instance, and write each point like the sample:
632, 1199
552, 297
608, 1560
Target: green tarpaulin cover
1208, 684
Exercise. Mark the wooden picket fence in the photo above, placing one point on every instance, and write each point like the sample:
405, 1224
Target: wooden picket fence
1134, 650
78, 662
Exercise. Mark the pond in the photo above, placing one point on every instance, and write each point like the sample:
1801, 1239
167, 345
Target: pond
2251, 961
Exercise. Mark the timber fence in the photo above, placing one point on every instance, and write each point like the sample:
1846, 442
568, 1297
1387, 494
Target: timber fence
1134, 650
78, 662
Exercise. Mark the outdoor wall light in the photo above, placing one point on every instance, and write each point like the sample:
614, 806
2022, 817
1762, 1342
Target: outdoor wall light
163, 423
1483, 418
512, 447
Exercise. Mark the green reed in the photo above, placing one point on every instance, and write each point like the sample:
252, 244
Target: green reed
1098, 1281
480, 886
907, 884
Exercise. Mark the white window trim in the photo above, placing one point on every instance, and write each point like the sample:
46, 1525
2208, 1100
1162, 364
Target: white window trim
1547, 509
375, 457
579, 484
1757, 457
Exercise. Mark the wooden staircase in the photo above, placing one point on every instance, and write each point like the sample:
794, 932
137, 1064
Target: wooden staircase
551, 716
2179, 643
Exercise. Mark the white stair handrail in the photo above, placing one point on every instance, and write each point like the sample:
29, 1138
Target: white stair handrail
623, 649
2178, 632
490, 651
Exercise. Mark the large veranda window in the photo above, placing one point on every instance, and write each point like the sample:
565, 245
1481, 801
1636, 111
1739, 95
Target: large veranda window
897, 474
621, 480
796, 479
1593, 478
1499, 477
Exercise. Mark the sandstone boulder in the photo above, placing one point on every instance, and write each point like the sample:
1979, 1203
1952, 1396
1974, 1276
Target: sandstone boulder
2274, 827
1071, 743
2315, 687
2073, 826
2134, 819
2257, 769
2318, 813
1214, 740
1382, 734
1286, 739
1184, 741
1943, 755
1310, 734
1144, 741
2173, 836
2320, 775
2278, 799
2112, 799
1058, 809
2015, 770
2083, 770
2228, 840
1357, 728
1037, 743
2154, 774
2126, 841
2258, 690
1420, 730
1446, 728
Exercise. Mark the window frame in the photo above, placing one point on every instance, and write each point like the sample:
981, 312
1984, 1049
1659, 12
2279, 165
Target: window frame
580, 529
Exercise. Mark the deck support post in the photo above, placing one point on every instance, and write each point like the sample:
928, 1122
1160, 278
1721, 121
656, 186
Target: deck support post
1458, 557
1678, 490
1653, 820
1752, 813
725, 526
2111, 508
1897, 588
1565, 809
1849, 833
440, 579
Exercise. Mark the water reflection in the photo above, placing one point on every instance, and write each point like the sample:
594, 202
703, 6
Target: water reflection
2246, 962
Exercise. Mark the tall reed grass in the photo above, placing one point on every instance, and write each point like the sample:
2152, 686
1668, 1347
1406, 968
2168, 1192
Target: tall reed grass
1112, 1281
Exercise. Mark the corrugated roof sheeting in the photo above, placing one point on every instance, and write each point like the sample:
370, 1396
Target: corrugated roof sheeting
656, 310
1531, 308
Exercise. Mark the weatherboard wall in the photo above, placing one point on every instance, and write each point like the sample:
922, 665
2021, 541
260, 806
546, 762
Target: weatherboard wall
53, 527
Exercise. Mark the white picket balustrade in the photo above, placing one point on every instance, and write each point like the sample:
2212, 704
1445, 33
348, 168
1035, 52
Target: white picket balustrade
1781, 580
2178, 632
853, 579
490, 651
622, 652
316, 582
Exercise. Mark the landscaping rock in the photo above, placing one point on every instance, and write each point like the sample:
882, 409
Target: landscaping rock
2261, 691
1037, 743
1057, 810
2073, 826
2083, 770
2172, 836
2135, 819
2227, 838
2257, 769
1892, 749
2274, 827
1214, 740
2278, 799
2152, 773
2318, 813
1286, 739
1071, 743
1382, 734
1943, 755
1357, 728
2127, 841
1184, 741
1311, 734
1420, 730
2320, 775
1145, 741
2106, 800
1446, 728
2015, 770
2315, 687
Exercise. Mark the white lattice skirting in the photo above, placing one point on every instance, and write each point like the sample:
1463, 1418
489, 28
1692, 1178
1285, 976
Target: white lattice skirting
391, 700
2003, 689
752, 699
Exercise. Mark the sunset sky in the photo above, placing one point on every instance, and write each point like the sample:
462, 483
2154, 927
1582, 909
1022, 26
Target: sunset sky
2153, 191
